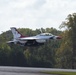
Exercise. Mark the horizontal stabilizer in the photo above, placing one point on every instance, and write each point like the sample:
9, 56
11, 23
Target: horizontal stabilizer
10, 42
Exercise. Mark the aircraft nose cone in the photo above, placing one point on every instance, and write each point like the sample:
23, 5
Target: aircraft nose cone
58, 37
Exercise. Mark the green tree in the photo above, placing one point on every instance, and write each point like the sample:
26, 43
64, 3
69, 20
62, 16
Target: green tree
68, 46
64, 53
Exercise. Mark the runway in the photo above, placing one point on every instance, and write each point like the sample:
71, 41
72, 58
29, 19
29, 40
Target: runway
15, 73
5, 70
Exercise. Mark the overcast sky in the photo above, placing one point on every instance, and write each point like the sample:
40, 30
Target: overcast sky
34, 13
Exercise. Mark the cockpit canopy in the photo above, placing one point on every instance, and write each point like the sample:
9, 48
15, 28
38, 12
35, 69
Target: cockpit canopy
45, 34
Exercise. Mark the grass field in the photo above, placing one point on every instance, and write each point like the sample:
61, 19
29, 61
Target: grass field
62, 73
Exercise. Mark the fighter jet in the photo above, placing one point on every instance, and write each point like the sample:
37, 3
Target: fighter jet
37, 40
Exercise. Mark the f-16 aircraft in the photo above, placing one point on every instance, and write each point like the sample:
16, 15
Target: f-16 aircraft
37, 40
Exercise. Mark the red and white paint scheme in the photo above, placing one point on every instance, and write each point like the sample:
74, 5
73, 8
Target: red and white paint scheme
37, 40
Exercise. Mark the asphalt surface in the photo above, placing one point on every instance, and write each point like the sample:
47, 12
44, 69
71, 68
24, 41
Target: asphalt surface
5, 70
13, 73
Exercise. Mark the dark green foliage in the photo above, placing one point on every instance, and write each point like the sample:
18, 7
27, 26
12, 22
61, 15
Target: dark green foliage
67, 52
15, 55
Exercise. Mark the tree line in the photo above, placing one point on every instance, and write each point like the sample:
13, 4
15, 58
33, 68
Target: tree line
16, 55
53, 54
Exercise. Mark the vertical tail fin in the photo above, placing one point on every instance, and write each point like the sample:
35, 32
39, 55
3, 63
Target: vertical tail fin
16, 33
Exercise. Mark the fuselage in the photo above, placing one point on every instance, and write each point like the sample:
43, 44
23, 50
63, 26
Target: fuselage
36, 40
